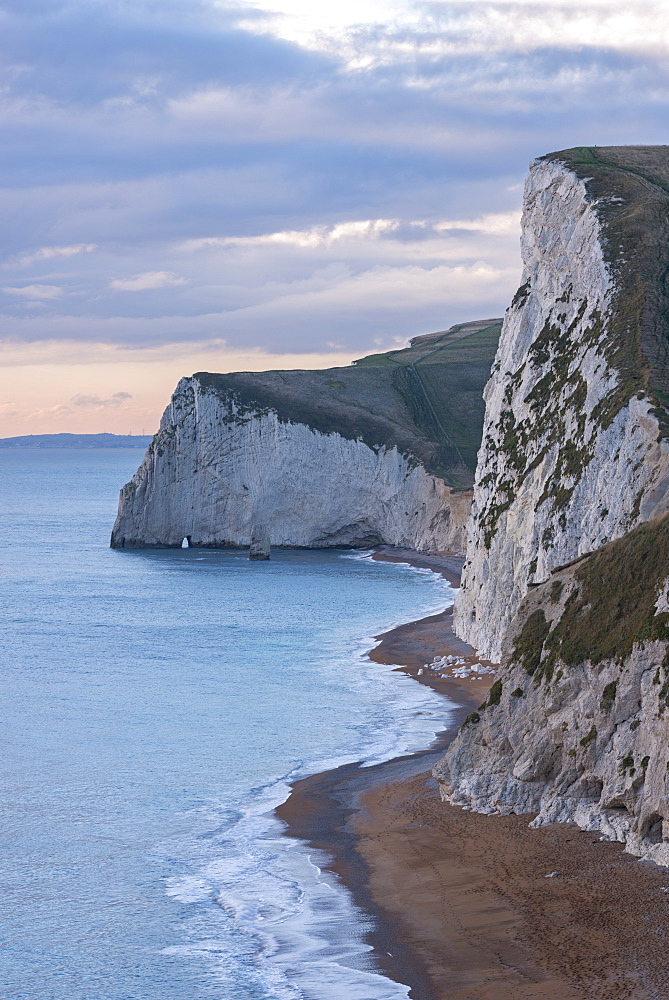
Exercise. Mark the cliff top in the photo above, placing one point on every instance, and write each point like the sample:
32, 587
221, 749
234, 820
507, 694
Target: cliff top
426, 399
630, 186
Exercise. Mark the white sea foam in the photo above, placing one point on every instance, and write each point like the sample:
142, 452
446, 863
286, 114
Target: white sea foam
308, 934
188, 889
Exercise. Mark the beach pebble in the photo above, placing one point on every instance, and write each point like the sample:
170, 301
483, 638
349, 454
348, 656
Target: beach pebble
552, 875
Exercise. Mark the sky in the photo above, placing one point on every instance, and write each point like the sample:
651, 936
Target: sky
197, 185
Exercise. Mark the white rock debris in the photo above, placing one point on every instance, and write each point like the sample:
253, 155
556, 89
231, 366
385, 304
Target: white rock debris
458, 667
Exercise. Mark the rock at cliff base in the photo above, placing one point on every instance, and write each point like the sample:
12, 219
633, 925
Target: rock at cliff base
576, 727
260, 543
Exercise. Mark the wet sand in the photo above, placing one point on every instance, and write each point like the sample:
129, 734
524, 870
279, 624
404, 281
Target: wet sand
462, 906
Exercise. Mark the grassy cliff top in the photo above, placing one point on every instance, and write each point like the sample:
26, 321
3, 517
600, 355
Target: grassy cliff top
630, 186
425, 399
606, 602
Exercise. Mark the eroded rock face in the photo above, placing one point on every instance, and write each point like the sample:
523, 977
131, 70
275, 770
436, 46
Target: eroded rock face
260, 548
575, 460
572, 454
381, 451
217, 468
576, 727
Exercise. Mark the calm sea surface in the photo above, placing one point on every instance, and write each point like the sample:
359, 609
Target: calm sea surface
155, 705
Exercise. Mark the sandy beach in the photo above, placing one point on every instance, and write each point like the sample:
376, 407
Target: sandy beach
462, 905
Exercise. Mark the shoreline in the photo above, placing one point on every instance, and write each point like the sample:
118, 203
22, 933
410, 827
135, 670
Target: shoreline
461, 905
319, 806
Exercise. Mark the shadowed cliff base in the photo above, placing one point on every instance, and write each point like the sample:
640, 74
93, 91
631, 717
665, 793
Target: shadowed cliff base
461, 905
578, 728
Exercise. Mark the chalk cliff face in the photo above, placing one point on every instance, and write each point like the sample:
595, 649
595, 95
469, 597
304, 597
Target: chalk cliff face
576, 727
214, 471
376, 453
573, 452
575, 461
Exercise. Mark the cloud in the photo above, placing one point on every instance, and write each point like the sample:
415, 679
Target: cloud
146, 282
9, 410
381, 36
360, 231
118, 399
38, 292
301, 290
47, 253
499, 223
56, 411
296, 177
319, 236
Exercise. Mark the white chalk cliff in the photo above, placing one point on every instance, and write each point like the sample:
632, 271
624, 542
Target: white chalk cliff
567, 569
382, 451
570, 456
215, 469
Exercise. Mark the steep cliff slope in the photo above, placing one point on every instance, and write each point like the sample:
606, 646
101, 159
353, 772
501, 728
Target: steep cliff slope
383, 451
576, 727
574, 449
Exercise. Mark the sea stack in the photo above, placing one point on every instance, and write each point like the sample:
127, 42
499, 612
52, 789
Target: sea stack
260, 543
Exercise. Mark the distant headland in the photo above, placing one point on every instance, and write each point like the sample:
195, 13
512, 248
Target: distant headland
77, 441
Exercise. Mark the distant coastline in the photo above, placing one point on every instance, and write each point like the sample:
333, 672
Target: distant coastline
77, 441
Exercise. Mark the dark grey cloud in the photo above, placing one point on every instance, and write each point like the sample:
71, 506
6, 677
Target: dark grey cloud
87, 52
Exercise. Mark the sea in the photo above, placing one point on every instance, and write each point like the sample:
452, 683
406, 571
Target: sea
155, 706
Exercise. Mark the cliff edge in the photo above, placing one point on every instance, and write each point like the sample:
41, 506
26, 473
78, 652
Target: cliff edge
381, 452
567, 572
574, 449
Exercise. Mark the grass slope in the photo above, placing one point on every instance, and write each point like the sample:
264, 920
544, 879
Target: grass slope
425, 399
612, 606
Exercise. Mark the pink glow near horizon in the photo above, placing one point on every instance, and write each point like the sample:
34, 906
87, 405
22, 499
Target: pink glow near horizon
229, 186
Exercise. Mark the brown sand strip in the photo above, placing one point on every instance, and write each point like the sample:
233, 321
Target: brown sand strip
461, 903
471, 897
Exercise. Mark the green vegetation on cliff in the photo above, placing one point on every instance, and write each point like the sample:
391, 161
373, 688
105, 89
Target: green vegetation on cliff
610, 607
425, 399
630, 186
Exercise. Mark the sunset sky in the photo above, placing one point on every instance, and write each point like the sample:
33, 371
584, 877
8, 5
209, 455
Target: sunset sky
200, 185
